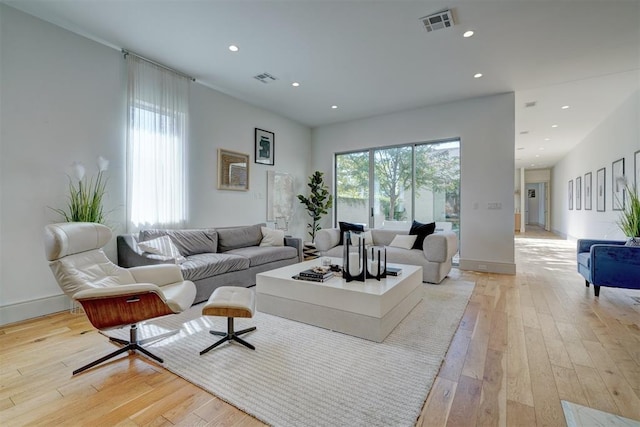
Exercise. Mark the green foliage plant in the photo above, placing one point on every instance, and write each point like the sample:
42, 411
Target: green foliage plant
629, 220
318, 203
86, 195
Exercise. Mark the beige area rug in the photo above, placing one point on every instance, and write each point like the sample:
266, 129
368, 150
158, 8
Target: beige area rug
302, 375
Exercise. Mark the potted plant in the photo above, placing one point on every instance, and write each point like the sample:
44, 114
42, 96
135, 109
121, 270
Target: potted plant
85, 197
318, 203
629, 221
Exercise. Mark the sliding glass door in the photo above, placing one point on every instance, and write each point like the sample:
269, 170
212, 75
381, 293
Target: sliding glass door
437, 182
352, 186
390, 187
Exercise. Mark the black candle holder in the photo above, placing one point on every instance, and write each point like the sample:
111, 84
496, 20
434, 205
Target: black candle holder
363, 265
381, 272
362, 259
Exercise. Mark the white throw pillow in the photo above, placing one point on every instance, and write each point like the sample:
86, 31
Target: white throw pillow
271, 237
162, 246
404, 241
368, 238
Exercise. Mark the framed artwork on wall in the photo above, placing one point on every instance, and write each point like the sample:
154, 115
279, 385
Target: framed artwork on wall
587, 191
233, 170
578, 193
636, 168
280, 197
570, 194
618, 184
601, 190
265, 147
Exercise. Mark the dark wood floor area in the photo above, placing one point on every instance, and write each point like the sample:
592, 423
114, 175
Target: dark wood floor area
525, 343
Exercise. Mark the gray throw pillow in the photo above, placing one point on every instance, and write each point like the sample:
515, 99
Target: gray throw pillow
188, 242
239, 237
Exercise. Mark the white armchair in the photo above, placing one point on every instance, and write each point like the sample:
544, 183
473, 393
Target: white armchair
112, 296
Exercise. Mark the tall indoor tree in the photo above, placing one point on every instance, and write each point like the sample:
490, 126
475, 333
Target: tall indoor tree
318, 203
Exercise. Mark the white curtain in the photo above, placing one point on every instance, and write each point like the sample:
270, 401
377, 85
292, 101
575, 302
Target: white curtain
157, 111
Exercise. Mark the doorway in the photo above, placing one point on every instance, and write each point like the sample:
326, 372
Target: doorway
537, 204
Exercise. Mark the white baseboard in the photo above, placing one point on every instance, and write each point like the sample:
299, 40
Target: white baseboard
29, 309
487, 266
559, 233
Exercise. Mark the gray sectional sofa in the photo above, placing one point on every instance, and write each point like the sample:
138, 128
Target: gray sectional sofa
214, 256
434, 258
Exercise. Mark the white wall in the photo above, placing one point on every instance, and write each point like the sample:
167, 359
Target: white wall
220, 121
62, 101
618, 136
485, 127
62, 98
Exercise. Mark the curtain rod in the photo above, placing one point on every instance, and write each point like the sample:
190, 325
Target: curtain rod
127, 52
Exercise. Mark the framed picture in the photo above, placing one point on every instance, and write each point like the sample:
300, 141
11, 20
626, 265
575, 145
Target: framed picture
280, 198
578, 193
531, 193
233, 170
265, 147
587, 191
570, 194
618, 184
636, 168
601, 190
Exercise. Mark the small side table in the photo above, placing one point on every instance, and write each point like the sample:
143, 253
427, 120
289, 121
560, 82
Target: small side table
309, 251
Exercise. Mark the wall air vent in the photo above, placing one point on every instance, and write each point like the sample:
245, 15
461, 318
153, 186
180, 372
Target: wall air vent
265, 78
530, 104
438, 21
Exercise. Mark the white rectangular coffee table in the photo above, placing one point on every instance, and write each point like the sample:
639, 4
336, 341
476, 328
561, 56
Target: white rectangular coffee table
369, 310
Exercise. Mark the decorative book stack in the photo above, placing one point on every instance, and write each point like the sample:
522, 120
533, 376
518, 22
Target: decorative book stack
316, 274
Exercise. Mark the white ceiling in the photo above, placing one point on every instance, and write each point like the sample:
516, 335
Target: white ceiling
375, 57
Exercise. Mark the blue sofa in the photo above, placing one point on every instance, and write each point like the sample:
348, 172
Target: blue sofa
609, 263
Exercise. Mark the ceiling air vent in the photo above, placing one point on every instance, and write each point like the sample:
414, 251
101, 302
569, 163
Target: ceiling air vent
438, 21
265, 78
530, 104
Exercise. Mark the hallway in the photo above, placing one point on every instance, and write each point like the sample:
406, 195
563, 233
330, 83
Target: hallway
528, 341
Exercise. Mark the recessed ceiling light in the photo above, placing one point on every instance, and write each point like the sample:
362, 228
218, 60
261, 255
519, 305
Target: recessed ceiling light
533, 164
537, 155
467, 34
234, 48
541, 148
477, 75
334, 107
554, 126
565, 107
295, 84
547, 139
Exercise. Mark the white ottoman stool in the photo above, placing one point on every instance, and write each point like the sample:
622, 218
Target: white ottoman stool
231, 302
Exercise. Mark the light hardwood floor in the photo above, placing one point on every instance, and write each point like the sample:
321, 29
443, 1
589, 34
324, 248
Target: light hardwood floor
525, 343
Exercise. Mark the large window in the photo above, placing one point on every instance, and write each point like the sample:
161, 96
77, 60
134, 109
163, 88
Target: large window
156, 146
390, 187
352, 179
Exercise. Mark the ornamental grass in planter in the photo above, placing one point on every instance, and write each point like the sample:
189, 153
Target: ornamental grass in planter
86, 194
629, 221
